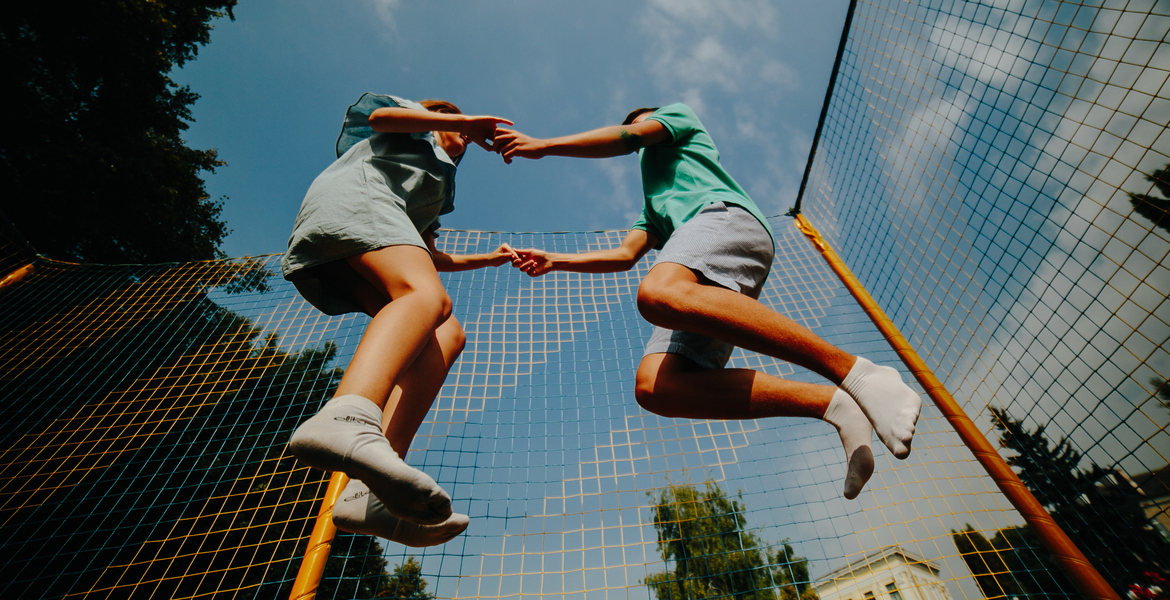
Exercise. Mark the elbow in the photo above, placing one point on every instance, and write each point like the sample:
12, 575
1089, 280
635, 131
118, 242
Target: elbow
628, 259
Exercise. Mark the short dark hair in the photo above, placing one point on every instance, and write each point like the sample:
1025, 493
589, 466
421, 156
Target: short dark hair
637, 111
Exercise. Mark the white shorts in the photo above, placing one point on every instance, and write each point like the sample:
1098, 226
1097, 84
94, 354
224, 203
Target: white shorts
728, 246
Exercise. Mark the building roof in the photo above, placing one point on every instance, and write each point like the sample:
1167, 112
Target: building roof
1154, 484
876, 556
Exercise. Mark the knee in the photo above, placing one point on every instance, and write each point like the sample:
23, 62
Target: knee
456, 340
433, 304
444, 307
655, 302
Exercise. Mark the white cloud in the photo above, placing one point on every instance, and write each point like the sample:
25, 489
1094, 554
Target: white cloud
697, 43
623, 181
385, 11
777, 72
720, 14
693, 98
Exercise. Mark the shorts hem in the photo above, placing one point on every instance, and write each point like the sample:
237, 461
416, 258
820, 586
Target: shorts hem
291, 273
684, 351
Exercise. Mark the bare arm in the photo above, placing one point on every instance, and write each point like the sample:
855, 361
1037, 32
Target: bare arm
623, 258
599, 143
466, 262
480, 129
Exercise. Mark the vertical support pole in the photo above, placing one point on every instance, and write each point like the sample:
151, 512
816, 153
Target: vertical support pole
1072, 561
16, 276
320, 542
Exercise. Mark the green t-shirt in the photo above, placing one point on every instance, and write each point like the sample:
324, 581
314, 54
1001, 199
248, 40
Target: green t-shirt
683, 176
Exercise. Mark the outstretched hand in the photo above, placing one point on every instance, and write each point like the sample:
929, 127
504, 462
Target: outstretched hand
510, 144
503, 254
482, 130
533, 262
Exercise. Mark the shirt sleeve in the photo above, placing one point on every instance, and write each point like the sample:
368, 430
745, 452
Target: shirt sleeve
680, 121
356, 126
645, 224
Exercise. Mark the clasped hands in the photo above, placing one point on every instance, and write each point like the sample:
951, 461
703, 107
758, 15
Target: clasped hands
532, 261
508, 143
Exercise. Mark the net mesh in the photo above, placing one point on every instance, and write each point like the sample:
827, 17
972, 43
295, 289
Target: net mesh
994, 173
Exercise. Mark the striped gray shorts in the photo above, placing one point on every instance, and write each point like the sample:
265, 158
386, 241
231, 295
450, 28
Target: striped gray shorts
728, 246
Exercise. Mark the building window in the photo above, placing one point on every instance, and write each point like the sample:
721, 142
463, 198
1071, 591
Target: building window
869, 596
892, 588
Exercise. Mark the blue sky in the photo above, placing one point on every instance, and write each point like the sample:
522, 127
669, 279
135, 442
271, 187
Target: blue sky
275, 83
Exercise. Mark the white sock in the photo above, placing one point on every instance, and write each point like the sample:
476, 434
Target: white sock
359, 511
856, 436
887, 401
346, 435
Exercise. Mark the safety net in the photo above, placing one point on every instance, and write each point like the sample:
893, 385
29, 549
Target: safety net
994, 173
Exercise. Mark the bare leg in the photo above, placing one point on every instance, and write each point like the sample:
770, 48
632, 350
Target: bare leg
417, 388
674, 297
400, 330
402, 291
674, 386
358, 510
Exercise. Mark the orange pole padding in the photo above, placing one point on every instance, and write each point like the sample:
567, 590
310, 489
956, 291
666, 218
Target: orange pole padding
320, 541
1075, 565
15, 276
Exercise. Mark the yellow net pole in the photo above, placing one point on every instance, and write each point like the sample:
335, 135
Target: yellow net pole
320, 541
15, 276
1072, 561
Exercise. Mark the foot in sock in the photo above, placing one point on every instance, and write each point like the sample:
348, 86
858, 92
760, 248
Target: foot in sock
346, 435
887, 401
359, 511
856, 435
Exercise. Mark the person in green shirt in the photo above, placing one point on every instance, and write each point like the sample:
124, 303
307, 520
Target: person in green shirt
715, 252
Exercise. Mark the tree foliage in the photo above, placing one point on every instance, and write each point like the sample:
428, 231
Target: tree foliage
91, 154
1099, 510
703, 536
358, 569
1154, 208
406, 583
1011, 564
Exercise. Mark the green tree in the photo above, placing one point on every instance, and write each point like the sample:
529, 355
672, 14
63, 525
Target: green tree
1154, 208
91, 154
1100, 512
703, 536
1011, 564
790, 572
357, 569
1161, 390
406, 583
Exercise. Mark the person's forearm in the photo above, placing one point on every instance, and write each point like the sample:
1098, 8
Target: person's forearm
449, 263
602, 261
409, 120
599, 143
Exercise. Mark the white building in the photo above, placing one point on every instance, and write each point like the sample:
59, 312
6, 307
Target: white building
890, 573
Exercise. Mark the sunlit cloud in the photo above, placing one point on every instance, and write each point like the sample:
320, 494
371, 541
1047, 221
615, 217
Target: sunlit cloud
386, 11
620, 198
695, 45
